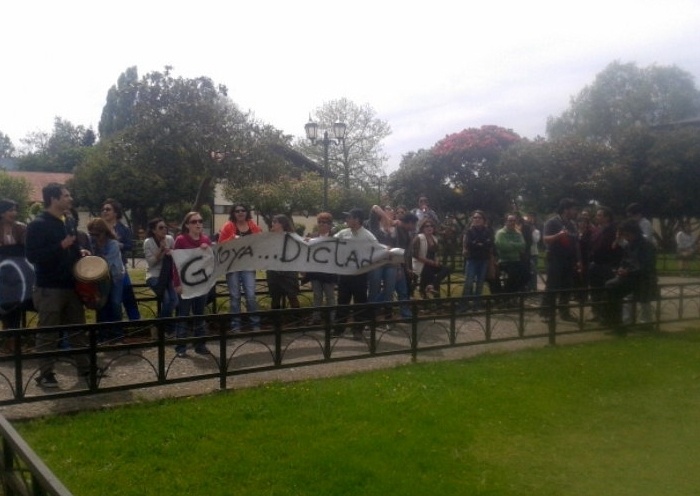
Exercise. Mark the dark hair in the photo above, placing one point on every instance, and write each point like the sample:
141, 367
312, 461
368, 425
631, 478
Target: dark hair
409, 218
116, 206
565, 204
286, 223
6, 205
232, 212
151, 227
607, 212
51, 190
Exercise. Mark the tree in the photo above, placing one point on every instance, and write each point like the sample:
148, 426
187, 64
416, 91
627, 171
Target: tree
663, 172
460, 173
119, 110
168, 140
624, 96
60, 151
360, 157
17, 189
7, 149
543, 172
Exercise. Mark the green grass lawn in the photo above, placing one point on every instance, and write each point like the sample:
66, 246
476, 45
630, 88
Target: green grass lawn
620, 417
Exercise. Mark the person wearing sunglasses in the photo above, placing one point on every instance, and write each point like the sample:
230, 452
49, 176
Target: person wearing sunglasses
112, 212
240, 224
425, 260
477, 248
157, 250
192, 236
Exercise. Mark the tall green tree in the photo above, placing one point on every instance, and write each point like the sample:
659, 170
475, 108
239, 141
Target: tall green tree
625, 96
543, 172
119, 111
168, 140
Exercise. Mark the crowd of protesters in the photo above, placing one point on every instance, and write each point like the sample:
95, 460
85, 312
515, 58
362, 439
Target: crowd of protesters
587, 254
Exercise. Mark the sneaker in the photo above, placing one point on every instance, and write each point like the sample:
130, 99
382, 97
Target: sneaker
47, 380
182, 354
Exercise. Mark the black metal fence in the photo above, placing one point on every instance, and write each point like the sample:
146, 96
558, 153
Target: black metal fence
22, 472
291, 338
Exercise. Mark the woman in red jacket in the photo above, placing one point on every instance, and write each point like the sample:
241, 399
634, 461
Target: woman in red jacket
240, 224
192, 236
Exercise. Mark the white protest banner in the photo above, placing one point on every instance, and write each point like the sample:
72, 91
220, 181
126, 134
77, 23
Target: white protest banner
200, 268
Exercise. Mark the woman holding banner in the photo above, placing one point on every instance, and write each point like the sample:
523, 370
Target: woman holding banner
240, 224
281, 283
192, 236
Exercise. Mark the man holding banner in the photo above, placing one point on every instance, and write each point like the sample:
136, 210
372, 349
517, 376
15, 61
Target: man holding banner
353, 288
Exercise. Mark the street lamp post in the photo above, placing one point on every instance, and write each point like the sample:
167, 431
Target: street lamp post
339, 129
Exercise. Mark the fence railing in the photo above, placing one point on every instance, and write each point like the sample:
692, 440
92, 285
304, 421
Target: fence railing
289, 338
22, 472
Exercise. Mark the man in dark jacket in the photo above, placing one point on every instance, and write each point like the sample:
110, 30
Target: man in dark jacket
52, 246
636, 274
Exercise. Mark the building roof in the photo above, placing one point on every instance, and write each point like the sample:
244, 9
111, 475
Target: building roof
37, 181
298, 159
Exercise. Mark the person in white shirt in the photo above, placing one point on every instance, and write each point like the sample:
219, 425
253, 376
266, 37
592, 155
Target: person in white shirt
353, 288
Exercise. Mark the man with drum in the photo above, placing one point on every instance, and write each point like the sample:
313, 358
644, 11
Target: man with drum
52, 247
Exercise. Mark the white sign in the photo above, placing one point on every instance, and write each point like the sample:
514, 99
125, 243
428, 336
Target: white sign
200, 268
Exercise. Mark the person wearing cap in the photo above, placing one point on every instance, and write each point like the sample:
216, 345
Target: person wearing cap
322, 284
11, 245
353, 288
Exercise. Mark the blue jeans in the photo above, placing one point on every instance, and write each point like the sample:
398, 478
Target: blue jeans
112, 311
129, 299
402, 291
382, 283
234, 281
475, 274
194, 306
169, 301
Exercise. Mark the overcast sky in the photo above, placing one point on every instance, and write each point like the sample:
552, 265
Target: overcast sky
428, 68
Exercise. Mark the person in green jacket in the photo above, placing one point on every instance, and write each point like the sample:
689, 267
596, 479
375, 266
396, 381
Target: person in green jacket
510, 246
